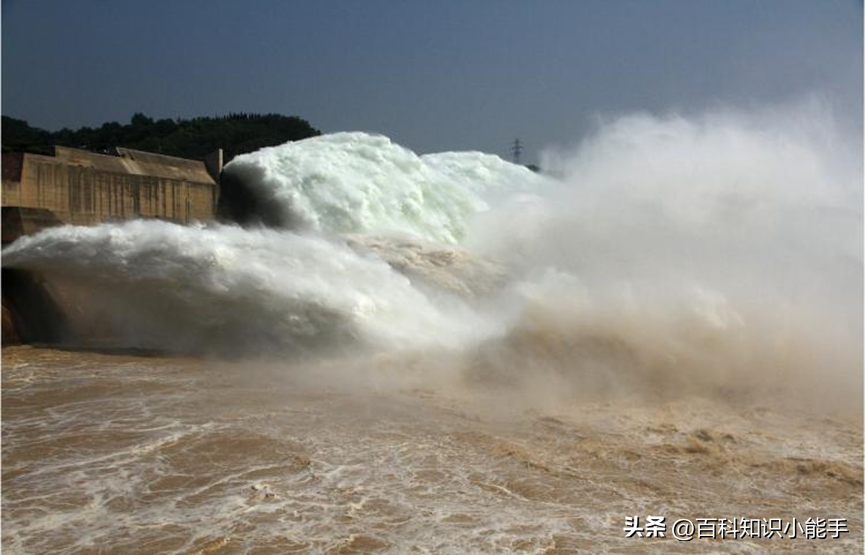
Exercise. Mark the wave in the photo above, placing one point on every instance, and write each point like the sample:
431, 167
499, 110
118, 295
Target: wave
362, 183
226, 289
702, 255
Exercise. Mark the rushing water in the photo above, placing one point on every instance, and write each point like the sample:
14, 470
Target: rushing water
449, 354
124, 454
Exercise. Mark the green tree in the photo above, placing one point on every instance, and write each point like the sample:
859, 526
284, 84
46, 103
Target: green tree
187, 138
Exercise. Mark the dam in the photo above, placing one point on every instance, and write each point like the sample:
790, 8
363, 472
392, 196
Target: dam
80, 187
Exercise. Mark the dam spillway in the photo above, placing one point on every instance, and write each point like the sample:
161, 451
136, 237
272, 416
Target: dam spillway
82, 188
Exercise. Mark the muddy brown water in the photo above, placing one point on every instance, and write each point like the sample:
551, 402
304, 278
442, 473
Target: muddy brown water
128, 454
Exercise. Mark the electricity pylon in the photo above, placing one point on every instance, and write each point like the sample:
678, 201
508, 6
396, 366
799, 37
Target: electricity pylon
516, 150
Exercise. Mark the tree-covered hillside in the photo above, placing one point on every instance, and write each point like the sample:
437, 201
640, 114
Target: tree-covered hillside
187, 138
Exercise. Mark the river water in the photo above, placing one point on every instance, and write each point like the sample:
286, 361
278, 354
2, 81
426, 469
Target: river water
127, 453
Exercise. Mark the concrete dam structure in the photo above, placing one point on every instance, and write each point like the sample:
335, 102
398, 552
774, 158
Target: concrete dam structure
80, 187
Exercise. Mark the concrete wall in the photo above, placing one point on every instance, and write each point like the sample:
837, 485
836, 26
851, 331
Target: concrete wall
81, 187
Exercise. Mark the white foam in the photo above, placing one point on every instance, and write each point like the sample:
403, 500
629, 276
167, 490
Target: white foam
195, 287
356, 183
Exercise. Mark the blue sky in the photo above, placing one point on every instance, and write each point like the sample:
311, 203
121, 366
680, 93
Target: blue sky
446, 75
